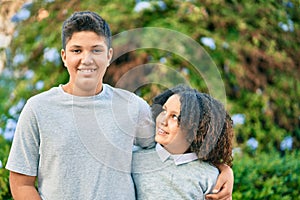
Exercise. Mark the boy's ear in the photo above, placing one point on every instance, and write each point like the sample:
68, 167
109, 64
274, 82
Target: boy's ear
63, 56
109, 55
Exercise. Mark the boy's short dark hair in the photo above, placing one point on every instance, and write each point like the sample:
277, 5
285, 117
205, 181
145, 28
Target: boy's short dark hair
85, 21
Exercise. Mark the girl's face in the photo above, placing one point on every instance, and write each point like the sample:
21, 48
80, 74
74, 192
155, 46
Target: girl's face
168, 131
86, 57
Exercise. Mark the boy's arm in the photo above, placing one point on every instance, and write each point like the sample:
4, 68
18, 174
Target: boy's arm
224, 186
22, 187
144, 136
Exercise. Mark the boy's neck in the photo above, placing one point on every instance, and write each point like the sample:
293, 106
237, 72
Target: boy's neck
82, 93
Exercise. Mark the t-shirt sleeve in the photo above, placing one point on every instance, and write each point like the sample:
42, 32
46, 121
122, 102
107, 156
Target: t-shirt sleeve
209, 177
145, 130
24, 153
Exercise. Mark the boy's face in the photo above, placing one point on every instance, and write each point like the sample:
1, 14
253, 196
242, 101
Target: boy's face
86, 57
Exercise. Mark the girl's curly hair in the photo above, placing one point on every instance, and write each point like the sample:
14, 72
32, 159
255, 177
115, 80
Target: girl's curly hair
209, 126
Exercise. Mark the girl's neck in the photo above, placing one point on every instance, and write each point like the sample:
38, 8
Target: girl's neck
178, 148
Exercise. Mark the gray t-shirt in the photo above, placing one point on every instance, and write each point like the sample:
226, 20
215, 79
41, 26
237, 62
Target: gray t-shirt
158, 175
81, 147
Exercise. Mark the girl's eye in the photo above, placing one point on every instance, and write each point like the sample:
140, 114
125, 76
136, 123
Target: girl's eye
163, 111
175, 117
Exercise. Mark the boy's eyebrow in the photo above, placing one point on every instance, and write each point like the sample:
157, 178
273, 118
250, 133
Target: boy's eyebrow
94, 46
75, 46
98, 45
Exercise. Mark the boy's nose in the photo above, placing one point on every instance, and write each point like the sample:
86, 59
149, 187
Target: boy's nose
87, 59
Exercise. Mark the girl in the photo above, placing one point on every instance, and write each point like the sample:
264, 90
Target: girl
193, 134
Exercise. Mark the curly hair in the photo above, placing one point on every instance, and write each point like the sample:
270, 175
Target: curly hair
209, 126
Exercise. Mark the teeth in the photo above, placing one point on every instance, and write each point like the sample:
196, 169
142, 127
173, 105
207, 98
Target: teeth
160, 131
86, 70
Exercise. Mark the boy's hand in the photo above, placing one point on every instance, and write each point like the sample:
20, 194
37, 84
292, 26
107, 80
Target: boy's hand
224, 186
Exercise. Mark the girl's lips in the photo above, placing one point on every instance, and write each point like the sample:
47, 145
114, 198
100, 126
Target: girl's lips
161, 132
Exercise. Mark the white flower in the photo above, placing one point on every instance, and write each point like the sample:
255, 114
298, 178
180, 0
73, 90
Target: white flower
209, 42
252, 143
19, 58
287, 27
15, 110
286, 143
22, 15
7, 72
283, 26
39, 85
51, 55
238, 119
10, 129
1, 165
29, 74
142, 5
162, 5
163, 60
146, 5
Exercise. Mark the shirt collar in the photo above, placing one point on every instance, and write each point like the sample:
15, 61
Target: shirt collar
179, 159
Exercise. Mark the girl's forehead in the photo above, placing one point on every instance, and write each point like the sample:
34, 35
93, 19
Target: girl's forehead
173, 102
173, 98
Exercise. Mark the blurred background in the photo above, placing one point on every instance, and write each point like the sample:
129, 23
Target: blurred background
253, 44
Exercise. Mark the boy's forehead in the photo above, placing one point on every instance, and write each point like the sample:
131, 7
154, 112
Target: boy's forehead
86, 37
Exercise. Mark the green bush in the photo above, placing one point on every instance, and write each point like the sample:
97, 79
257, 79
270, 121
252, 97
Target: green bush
263, 176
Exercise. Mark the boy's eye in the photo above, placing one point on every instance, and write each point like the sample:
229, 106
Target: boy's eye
97, 50
76, 51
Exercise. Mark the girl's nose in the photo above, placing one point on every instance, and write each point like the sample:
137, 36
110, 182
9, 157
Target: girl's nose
163, 120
